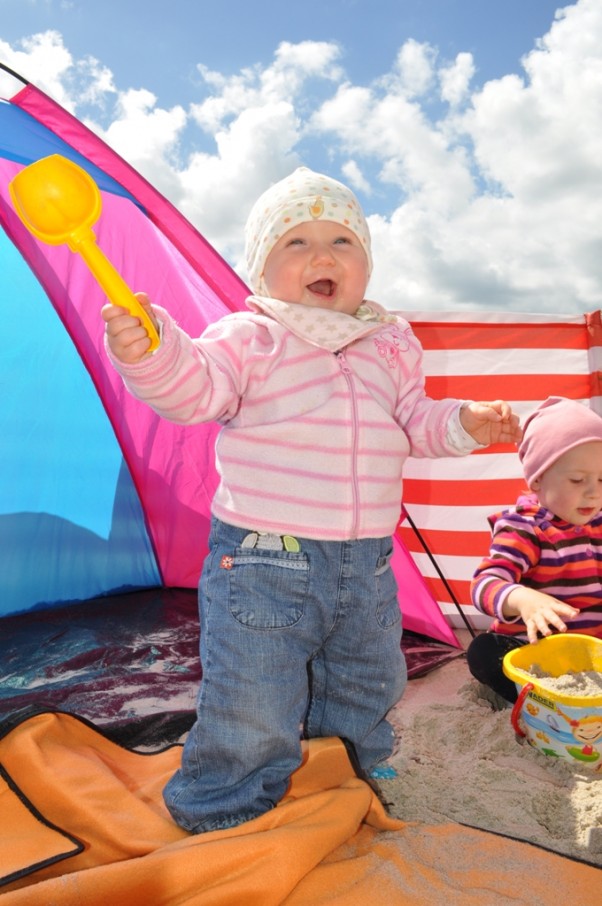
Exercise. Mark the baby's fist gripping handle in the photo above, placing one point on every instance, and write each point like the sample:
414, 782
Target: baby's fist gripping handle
58, 202
114, 286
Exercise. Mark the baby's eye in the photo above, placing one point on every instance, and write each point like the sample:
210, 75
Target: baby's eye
343, 239
295, 241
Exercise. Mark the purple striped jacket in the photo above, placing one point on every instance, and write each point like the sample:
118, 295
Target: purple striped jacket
533, 547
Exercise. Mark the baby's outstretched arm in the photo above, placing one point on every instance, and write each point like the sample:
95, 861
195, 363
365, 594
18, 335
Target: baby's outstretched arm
491, 422
541, 613
128, 340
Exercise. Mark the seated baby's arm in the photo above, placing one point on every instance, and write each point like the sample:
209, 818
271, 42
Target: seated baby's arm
541, 613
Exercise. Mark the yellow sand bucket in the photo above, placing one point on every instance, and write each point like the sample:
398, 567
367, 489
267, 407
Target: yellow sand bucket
562, 725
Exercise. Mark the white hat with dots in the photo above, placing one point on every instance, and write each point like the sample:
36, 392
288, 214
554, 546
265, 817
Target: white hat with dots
302, 197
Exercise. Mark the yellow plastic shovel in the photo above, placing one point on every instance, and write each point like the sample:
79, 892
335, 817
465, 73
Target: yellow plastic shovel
59, 202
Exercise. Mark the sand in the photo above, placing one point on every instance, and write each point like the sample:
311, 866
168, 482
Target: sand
588, 682
460, 760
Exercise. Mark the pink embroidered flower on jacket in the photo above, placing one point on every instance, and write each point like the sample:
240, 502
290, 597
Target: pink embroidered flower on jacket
389, 343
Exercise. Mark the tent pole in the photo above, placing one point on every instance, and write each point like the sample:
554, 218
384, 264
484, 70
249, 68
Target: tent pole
12, 72
448, 588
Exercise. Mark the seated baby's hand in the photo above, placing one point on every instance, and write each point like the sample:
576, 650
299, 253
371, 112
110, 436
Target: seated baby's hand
541, 613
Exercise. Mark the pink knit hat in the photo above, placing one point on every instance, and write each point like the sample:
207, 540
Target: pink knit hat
556, 426
301, 197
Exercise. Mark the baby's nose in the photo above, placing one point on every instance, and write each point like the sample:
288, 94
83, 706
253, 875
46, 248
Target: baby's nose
323, 253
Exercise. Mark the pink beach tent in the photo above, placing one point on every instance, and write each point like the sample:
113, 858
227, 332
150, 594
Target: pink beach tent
99, 496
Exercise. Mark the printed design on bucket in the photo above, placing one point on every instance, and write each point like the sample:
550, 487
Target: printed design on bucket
586, 731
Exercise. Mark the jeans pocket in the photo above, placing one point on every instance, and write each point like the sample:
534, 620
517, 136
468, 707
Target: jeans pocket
387, 602
268, 588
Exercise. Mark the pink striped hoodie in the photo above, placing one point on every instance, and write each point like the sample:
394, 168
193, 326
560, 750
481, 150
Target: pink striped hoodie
319, 411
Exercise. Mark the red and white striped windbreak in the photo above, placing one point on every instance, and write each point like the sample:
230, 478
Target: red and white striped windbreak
523, 358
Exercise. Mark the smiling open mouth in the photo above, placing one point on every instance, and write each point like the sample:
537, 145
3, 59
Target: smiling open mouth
322, 287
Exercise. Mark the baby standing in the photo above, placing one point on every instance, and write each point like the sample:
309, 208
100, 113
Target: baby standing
321, 398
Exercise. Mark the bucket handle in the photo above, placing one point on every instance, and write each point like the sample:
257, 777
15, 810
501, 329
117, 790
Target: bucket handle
518, 704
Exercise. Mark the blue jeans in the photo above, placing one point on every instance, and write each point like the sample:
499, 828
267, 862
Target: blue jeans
306, 639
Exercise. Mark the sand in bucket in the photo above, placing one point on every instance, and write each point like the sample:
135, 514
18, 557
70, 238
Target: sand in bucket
559, 706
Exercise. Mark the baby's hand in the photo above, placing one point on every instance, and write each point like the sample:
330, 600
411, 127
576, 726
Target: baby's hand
128, 340
491, 423
539, 612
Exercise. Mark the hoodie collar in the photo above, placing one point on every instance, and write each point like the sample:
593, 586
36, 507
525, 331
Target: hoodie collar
331, 330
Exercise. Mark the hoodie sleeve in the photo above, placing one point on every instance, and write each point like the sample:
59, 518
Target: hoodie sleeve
513, 552
190, 381
432, 427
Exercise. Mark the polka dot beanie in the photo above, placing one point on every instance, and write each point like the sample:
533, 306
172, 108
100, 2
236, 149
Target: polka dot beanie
556, 426
302, 197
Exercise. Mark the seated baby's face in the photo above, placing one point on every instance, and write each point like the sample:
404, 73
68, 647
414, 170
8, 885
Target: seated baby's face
572, 486
320, 264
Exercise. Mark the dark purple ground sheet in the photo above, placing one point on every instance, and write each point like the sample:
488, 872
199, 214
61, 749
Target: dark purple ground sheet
127, 663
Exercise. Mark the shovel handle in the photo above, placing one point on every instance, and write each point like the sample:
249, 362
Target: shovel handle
115, 287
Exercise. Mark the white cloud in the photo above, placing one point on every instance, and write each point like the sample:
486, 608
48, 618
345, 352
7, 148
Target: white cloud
141, 131
284, 79
455, 79
499, 202
295, 63
415, 66
43, 60
219, 189
413, 154
478, 196
355, 178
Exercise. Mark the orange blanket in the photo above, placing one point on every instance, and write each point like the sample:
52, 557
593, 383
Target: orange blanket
83, 824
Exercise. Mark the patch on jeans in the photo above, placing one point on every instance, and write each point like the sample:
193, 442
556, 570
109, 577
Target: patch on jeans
226, 562
270, 542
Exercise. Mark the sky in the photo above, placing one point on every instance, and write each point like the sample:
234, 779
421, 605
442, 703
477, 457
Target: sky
471, 130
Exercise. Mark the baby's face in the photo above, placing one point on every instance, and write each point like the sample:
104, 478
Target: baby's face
572, 486
322, 264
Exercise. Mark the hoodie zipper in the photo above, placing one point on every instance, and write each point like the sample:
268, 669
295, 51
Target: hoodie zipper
348, 375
